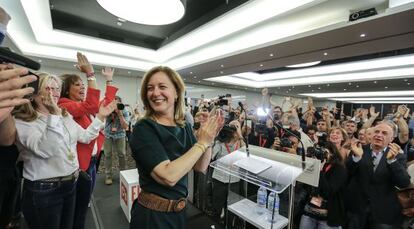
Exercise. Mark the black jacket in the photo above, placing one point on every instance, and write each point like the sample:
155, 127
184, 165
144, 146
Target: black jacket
331, 185
376, 191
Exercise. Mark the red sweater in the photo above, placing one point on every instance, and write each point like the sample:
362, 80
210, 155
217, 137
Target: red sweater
81, 112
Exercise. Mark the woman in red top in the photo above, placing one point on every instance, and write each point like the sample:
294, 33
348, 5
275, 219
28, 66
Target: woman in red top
83, 110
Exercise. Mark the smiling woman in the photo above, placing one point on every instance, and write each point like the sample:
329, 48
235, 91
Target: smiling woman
165, 150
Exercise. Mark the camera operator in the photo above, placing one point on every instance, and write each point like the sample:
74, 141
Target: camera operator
115, 133
228, 140
324, 208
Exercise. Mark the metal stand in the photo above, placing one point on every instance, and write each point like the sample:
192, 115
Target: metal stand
291, 204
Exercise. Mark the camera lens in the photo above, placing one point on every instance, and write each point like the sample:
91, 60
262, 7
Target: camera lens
120, 106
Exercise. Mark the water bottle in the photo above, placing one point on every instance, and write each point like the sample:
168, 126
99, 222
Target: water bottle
261, 200
272, 202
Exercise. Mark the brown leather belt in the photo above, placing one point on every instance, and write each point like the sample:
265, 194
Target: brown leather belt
158, 203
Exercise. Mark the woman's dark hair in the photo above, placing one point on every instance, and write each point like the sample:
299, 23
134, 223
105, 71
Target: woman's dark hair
67, 81
336, 157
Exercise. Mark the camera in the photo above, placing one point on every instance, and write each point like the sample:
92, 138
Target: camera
221, 101
120, 106
316, 152
286, 142
226, 133
7, 56
322, 138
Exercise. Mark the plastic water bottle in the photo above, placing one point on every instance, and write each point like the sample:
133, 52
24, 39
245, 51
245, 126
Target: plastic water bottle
273, 201
261, 200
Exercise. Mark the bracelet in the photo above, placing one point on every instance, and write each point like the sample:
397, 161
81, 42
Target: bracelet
92, 78
90, 74
202, 146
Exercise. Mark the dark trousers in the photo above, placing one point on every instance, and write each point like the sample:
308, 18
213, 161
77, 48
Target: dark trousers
365, 221
8, 188
49, 205
84, 189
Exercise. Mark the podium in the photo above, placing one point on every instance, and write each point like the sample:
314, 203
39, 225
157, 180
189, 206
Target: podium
274, 170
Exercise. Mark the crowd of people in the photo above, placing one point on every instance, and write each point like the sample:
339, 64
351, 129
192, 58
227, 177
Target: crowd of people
59, 129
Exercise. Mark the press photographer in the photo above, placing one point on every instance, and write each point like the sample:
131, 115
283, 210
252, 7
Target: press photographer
324, 206
289, 142
115, 133
228, 140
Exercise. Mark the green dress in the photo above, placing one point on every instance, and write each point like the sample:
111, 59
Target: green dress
152, 143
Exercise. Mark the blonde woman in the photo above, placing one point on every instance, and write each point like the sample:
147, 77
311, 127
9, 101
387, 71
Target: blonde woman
47, 138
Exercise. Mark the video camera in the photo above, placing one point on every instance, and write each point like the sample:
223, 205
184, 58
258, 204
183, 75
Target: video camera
322, 138
226, 133
316, 152
7, 56
222, 100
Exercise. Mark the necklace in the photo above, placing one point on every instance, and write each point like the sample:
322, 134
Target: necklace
70, 154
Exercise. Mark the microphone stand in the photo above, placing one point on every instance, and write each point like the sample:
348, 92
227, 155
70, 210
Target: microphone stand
245, 135
297, 137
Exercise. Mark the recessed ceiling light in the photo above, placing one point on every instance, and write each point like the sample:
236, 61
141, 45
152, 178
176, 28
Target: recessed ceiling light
408, 83
142, 12
349, 83
271, 54
261, 65
362, 35
325, 53
221, 72
293, 86
375, 81
309, 85
304, 64
119, 23
313, 90
191, 73
357, 86
328, 85
199, 81
129, 72
222, 66
195, 77
121, 20
40, 61
405, 80
344, 89
386, 87
245, 88
289, 89
319, 88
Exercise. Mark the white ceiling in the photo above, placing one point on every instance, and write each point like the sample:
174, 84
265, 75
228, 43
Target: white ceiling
258, 35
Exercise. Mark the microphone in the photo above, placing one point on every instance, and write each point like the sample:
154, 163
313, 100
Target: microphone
241, 106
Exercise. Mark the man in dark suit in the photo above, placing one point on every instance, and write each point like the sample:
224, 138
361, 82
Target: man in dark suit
377, 170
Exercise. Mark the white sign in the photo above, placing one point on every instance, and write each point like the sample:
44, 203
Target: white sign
128, 190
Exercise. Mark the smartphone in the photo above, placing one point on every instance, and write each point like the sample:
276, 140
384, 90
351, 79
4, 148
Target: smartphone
338, 104
249, 123
34, 85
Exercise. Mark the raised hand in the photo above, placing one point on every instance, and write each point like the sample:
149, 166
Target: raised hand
83, 64
108, 73
47, 101
372, 112
11, 83
395, 149
104, 111
356, 147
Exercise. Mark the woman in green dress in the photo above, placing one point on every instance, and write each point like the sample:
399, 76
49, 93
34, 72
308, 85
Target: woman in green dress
165, 150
